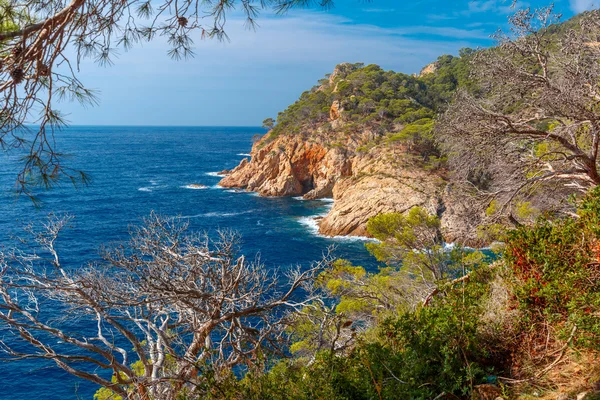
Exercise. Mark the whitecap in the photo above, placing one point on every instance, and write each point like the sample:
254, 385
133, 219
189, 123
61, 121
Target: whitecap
313, 227
213, 214
244, 154
145, 189
213, 174
449, 246
194, 186
324, 199
452, 246
223, 214
354, 239
311, 223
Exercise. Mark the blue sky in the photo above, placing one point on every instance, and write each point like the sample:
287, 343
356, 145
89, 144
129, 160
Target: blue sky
258, 73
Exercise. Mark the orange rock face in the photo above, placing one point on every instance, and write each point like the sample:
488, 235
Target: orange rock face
334, 111
363, 184
290, 167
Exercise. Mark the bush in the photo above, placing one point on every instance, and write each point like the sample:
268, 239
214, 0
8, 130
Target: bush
413, 355
556, 266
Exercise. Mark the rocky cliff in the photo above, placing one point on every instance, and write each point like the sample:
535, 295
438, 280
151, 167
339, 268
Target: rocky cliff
357, 165
363, 183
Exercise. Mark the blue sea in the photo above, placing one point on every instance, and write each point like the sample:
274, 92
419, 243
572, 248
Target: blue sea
135, 170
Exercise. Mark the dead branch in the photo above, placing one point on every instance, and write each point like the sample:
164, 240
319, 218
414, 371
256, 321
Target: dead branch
185, 304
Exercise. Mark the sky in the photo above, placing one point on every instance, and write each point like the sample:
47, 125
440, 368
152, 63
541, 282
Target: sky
258, 73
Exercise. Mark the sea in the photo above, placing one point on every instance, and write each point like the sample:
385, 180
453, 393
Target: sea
168, 170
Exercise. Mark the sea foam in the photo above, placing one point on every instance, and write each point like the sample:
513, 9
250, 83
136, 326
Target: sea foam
217, 214
313, 227
194, 186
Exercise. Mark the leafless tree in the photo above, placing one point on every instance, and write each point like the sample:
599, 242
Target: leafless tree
167, 308
535, 118
37, 37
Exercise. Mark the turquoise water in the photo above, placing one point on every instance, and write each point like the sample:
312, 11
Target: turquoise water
135, 170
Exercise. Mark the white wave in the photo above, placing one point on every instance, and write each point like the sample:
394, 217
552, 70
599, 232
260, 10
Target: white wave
145, 189
214, 174
313, 226
449, 246
153, 182
217, 186
217, 214
235, 191
311, 223
452, 246
194, 186
223, 214
353, 239
324, 199
244, 154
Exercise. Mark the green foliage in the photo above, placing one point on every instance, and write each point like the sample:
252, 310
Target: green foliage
268, 123
492, 208
488, 233
419, 137
107, 394
310, 109
360, 292
384, 101
406, 229
412, 355
437, 349
11, 16
451, 73
526, 211
556, 265
413, 241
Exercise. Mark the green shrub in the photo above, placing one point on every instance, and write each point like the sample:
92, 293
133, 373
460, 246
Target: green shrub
557, 271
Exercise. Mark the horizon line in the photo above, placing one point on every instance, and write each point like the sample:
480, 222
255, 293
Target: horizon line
156, 126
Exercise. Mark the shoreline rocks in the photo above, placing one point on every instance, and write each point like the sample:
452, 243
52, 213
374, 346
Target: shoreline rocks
383, 179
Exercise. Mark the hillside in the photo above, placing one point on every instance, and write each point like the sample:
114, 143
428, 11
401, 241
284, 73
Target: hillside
363, 137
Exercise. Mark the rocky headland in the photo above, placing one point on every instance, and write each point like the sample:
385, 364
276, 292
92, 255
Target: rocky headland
362, 183
362, 169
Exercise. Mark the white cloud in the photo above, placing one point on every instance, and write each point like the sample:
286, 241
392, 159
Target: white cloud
493, 6
583, 5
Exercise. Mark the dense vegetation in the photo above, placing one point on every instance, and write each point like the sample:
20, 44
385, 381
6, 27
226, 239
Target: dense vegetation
446, 321
394, 105
451, 323
434, 322
511, 320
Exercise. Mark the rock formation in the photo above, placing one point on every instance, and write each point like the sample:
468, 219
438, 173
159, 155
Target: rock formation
429, 69
356, 164
362, 183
